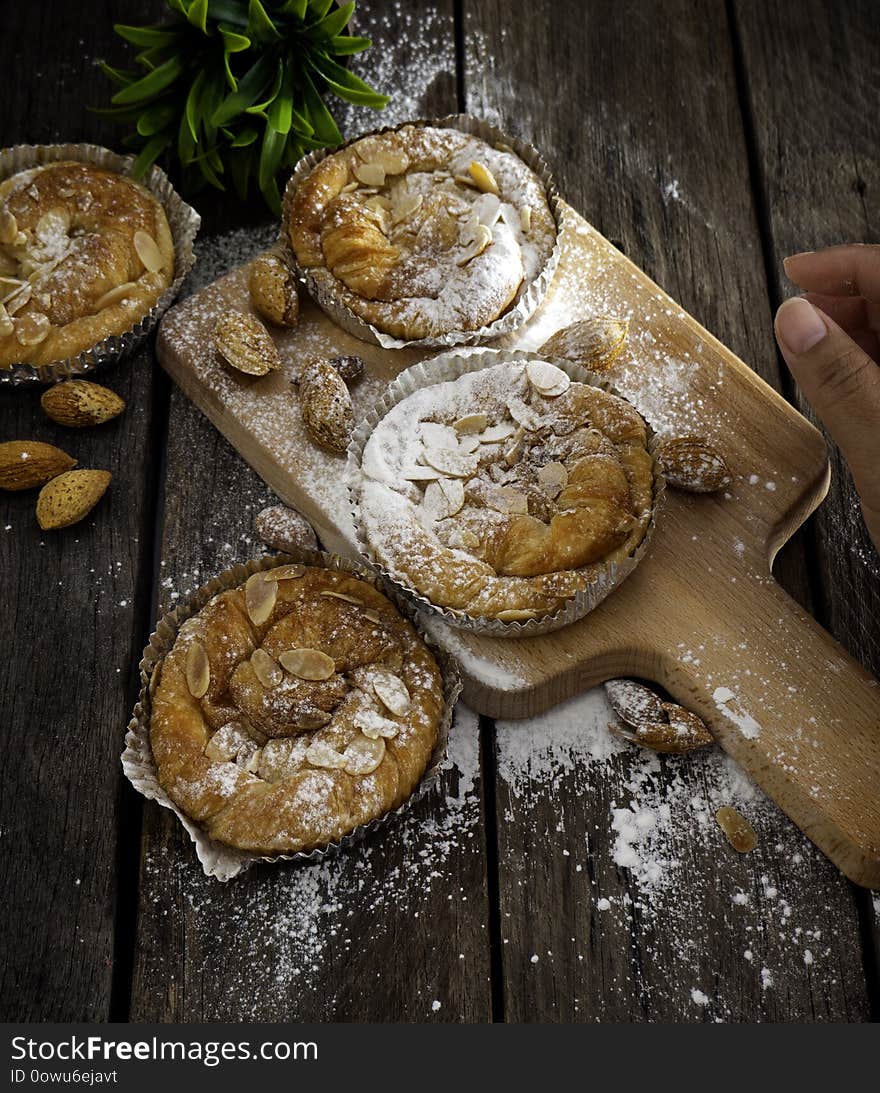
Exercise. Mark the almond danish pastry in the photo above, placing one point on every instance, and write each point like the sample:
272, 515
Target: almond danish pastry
293, 709
505, 492
85, 253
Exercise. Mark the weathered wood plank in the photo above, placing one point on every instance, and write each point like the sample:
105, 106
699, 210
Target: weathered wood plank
810, 74
637, 110
75, 606
396, 929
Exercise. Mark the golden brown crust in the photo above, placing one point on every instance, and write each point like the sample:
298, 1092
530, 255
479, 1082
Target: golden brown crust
396, 229
71, 236
270, 780
512, 516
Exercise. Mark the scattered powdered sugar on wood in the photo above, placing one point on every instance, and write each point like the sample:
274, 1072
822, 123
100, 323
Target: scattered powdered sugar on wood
634, 871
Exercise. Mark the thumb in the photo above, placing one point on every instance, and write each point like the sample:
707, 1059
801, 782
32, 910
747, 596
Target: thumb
842, 384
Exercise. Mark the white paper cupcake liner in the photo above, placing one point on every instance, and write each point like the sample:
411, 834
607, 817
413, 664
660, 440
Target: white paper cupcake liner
217, 859
603, 577
515, 317
183, 221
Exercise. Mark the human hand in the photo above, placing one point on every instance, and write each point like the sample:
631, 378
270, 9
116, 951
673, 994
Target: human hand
830, 338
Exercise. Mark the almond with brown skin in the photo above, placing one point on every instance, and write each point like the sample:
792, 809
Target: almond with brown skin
25, 464
273, 291
245, 343
691, 463
65, 500
79, 404
646, 719
325, 404
593, 343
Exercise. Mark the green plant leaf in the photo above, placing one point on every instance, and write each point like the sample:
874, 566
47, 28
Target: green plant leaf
280, 112
245, 138
344, 45
296, 8
250, 87
149, 154
198, 15
259, 26
151, 85
346, 85
319, 8
263, 106
118, 75
156, 118
186, 145
324, 126
332, 24
191, 109
233, 42
147, 36
228, 11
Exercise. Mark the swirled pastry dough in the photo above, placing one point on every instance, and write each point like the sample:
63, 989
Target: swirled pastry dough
285, 734
498, 494
422, 231
84, 254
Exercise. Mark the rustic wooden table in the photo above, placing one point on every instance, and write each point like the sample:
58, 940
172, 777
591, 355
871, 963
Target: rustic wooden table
559, 877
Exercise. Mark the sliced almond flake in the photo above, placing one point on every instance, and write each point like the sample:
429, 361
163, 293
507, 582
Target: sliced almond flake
227, 743
266, 669
513, 614
435, 435
248, 758
468, 444
434, 501
284, 572
198, 670
494, 434
552, 478
260, 594
148, 251
517, 503
405, 208
31, 329
370, 174
451, 464
525, 218
391, 692
8, 227
547, 379
363, 756
373, 725
310, 664
320, 754
471, 424
372, 615
482, 238
343, 596
7, 326
115, 295
523, 414
348, 187
740, 833
420, 474
514, 449
483, 178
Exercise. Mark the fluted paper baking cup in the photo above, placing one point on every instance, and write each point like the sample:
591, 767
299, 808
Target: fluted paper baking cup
183, 221
601, 578
217, 859
516, 316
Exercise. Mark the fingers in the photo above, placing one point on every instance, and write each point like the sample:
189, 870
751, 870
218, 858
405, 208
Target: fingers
851, 269
859, 318
842, 383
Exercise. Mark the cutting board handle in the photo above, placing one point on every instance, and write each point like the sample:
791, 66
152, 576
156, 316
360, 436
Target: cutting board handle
789, 704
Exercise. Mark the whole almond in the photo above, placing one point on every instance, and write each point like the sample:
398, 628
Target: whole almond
79, 403
245, 343
25, 464
325, 404
65, 500
273, 291
691, 463
594, 343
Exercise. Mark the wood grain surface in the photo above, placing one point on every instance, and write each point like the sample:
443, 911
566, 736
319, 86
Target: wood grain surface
706, 141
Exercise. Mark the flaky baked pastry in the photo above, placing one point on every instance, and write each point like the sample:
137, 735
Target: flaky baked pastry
293, 709
84, 254
422, 231
500, 493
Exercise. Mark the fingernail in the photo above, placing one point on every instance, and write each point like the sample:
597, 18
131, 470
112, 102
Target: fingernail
794, 257
799, 325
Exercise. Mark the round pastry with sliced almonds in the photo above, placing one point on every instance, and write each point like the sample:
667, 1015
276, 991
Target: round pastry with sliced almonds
85, 253
293, 709
422, 230
506, 491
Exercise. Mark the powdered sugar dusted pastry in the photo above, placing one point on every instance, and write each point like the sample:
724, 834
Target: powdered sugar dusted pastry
84, 254
500, 493
423, 230
293, 709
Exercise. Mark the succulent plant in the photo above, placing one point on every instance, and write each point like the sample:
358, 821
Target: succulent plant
234, 89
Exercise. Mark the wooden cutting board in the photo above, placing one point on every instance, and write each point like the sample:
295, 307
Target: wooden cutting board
701, 615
